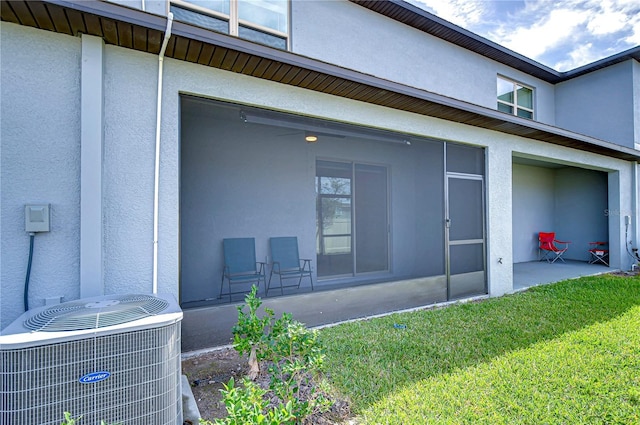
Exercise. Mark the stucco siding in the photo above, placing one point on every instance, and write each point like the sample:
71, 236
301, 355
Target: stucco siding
533, 209
351, 36
500, 147
570, 201
40, 135
499, 212
41, 147
580, 213
128, 169
636, 103
600, 104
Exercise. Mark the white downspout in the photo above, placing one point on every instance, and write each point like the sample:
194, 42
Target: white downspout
634, 211
156, 187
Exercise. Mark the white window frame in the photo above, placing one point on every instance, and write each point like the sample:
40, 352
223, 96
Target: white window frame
515, 85
233, 19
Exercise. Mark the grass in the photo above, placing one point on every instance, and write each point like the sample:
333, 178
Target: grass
567, 353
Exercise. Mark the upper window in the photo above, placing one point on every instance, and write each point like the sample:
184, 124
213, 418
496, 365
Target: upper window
514, 98
262, 21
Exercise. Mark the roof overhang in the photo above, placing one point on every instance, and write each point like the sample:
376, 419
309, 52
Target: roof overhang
134, 29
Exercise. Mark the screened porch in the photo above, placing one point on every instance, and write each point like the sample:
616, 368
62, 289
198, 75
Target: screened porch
366, 206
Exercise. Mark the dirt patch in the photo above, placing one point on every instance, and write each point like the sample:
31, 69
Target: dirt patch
209, 371
206, 374
626, 274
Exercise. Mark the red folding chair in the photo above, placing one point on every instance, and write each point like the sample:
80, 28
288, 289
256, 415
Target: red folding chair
547, 249
599, 253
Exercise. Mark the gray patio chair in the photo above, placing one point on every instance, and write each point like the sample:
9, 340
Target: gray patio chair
286, 263
240, 265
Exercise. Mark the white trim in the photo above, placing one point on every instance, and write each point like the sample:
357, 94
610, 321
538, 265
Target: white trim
233, 18
91, 152
261, 28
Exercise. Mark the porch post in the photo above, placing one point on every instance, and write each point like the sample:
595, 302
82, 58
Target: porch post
617, 244
499, 220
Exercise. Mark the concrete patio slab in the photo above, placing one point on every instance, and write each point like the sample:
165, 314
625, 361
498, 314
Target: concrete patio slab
204, 328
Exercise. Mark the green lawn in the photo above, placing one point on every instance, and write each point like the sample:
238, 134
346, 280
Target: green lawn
567, 353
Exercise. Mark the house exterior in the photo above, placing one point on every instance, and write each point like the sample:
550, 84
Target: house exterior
439, 157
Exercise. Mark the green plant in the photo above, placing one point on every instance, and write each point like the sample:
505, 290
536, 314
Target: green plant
69, 420
251, 334
246, 405
295, 358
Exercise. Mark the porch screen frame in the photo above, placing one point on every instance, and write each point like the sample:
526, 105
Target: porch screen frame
477, 175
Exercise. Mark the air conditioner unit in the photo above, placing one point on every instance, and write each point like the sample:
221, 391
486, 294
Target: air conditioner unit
113, 358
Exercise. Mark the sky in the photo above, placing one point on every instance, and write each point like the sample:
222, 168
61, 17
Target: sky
562, 35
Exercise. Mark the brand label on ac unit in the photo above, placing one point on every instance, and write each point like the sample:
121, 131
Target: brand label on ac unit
92, 378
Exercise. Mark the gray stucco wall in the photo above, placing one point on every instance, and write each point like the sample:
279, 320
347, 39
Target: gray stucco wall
600, 104
569, 201
636, 103
533, 209
128, 169
349, 35
40, 135
581, 209
41, 164
40, 160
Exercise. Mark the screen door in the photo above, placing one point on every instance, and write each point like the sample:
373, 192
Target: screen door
465, 236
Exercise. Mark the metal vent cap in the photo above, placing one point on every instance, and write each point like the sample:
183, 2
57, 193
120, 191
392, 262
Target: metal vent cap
96, 313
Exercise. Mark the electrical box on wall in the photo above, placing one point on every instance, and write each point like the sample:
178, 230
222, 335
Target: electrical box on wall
36, 217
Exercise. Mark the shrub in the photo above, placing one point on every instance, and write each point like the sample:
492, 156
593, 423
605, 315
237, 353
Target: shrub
294, 355
70, 420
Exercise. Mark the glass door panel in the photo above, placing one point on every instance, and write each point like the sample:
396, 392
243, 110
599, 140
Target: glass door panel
465, 209
334, 219
372, 236
467, 270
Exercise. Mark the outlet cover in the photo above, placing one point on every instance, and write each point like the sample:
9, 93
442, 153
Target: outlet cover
36, 217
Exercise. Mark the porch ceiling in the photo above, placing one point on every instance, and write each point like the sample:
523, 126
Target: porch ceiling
131, 28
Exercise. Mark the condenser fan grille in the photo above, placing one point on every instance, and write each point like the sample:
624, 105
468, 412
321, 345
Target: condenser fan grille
109, 311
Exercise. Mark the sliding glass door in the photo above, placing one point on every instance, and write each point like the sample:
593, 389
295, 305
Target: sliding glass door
352, 219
